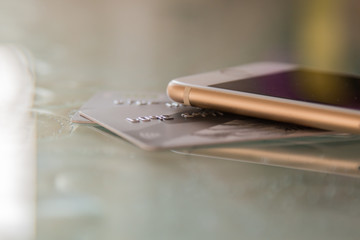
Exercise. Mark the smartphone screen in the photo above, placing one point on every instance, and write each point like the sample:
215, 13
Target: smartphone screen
303, 85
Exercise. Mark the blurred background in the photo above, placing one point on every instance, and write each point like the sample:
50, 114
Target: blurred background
132, 43
78, 47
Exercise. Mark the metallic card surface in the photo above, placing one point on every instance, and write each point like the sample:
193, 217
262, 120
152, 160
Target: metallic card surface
188, 126
108, 99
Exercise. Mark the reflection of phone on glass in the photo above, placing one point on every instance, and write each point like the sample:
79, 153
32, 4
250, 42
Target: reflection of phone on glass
276, 91
338, 154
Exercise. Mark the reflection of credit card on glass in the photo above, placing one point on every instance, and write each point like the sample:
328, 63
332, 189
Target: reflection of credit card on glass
170, 125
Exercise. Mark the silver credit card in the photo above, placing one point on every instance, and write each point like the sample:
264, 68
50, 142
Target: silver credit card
108, 99
171, 125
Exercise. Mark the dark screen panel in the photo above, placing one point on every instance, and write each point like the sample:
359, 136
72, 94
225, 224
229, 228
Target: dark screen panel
303, 85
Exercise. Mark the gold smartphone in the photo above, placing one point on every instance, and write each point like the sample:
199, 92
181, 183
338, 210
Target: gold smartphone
276, 91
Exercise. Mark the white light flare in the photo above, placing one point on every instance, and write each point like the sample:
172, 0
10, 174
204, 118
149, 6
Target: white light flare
17, 146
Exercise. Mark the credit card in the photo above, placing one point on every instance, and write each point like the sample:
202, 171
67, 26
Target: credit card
172, 125
108, 99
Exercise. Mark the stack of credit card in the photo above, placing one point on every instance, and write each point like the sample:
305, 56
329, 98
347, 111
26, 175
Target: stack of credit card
153, 122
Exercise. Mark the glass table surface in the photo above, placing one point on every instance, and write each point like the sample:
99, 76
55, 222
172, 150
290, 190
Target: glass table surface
61, 180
